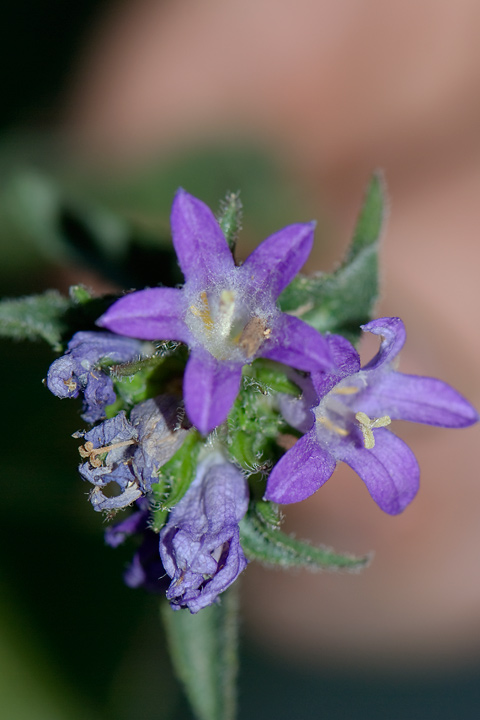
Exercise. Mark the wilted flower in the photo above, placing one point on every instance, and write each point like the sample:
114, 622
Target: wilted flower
130, 452
200, 544
79, 371
226, 314
348, 421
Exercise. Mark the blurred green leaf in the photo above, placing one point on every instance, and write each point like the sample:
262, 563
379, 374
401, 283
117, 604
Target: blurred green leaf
230, 218
204, 654
342, 301
37, 317
262, 540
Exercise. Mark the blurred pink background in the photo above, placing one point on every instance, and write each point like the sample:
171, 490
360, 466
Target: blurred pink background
337, 90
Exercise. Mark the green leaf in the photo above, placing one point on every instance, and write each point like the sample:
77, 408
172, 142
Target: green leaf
37, 317
204, 655
230, 218
262, 540
342, 301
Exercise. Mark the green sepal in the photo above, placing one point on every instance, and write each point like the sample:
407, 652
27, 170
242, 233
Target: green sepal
272, 376
262, 540
253, 424
230, 218
342, 301
204, 652
36, 317
174, 478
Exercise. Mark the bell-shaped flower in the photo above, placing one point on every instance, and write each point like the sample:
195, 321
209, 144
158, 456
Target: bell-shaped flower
79, 370
345, 415
129, 453
226, 314
200, 544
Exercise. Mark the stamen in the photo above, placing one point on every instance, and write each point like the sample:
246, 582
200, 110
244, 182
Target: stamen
70, 383
367, 425
331, 426
346, 390
88, 451
253, 335
204, 312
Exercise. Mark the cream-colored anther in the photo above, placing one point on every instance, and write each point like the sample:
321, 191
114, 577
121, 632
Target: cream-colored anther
367, 425
346, 390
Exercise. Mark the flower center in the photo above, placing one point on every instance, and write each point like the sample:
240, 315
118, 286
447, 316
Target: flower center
226, 326
336, 415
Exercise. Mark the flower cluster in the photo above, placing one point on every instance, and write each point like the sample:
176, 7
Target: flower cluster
188, 514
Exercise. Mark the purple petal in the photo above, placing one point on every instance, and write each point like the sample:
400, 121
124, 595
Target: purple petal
297, 344
203, 253
297, 411
300, 472
346, 361
389, 470
276, 261
418, 399
152, 314
393, 335
210, 388
116, 534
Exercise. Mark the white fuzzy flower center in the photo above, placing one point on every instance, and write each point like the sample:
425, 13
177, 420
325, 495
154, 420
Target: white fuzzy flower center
226, 326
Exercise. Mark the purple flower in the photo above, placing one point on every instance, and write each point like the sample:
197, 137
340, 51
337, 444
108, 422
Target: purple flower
226, 314
129, 453
78, 370
200, 545
348, 421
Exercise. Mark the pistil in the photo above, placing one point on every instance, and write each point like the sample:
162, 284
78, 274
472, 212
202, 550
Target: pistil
367, 425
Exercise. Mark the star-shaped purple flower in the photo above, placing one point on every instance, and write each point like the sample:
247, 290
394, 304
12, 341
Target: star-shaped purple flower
345, 416
227, 314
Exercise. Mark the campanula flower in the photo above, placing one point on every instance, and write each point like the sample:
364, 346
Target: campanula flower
200, 544
349, 421
79, 372
130, 452
226, 314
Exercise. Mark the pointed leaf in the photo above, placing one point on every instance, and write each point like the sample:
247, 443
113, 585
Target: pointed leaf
204, 655
37, 317
262, 540
230, 218
342, 301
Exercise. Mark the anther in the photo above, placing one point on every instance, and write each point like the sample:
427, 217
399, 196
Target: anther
204, 312
331, 426
346, 390
88, 451
71, 384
